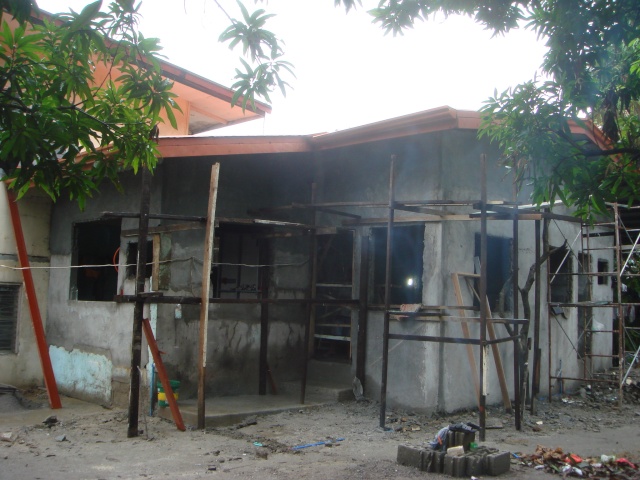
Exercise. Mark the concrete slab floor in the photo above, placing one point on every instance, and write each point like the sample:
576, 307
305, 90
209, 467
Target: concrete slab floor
226, 411
14, 414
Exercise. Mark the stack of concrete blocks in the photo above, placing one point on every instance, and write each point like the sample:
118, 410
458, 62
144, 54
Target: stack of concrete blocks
473, 463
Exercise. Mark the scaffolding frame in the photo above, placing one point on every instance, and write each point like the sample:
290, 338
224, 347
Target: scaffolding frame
428, 211
623, 255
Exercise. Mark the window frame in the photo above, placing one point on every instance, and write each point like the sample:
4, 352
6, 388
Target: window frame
401, 237
13, 290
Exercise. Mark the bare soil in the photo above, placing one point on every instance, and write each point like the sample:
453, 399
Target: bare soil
90, 442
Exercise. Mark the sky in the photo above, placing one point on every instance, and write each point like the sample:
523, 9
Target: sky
348, 73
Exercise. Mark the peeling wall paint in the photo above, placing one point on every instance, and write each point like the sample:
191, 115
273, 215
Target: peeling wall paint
82, 374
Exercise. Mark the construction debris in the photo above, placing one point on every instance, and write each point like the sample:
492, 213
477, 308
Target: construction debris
555, 460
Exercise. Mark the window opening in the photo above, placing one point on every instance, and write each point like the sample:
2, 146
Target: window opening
603, 267
234, 272
95, 244
406, 264
332, 336
560, 268
585, 314
499, 251
9, 302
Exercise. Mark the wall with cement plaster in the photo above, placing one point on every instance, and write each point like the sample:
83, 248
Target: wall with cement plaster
98, 334
422, 376
92, 339
245, 183
22, 367
432, 376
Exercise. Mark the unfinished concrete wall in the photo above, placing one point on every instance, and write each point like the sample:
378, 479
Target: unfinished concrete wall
21, 367
91, 340
447, 166
234, 330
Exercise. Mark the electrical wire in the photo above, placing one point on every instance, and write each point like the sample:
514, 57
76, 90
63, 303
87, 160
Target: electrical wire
189, 259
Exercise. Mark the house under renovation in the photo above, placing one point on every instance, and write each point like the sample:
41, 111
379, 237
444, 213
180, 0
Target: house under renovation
395, 257
361, 254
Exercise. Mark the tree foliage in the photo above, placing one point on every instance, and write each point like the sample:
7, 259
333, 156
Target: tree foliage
592, 77
62, 127
264, 70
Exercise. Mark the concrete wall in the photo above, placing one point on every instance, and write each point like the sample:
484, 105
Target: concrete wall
432, 376
234, 330
22, 367
92, 339
423, 376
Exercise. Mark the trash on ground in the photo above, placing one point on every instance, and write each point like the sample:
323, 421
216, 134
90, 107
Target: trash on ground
555, 460
328, 442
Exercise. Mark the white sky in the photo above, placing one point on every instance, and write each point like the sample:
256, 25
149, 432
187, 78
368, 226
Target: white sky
348, 73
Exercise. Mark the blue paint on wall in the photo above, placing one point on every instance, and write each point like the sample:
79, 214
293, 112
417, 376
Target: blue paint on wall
82, 374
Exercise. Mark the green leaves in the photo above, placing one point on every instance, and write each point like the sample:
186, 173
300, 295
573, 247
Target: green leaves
66, 122
264, 68
593, 62
396, 16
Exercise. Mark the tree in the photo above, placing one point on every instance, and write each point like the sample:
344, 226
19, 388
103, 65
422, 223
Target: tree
62, 127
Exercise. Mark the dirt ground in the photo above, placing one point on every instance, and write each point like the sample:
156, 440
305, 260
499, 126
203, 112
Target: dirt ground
90, 442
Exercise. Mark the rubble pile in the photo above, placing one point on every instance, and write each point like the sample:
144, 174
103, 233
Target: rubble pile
554, 460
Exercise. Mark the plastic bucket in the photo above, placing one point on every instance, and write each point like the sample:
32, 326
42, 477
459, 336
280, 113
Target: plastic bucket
162, 396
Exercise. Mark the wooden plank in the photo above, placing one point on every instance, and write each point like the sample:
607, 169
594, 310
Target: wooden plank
206, 284
138, 309
333, 337
162, 374
164, 229
497, 357
410, 219
155, 268
465, 332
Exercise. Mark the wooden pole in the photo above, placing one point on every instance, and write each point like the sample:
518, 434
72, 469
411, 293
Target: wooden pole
310, 306
138, 309
483, 298
206, 284
535, 385
620, 309
34, 309
516, 341
387, 296
363, 291
263, 282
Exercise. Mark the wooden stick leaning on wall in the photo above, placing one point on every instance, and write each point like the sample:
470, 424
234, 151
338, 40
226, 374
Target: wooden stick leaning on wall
465, 332
497, 357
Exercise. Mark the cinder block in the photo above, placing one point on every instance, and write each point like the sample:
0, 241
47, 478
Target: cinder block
428, 460
498, 463
409, 456
475, 465
438, 461
455, 466
448, 465
451, 439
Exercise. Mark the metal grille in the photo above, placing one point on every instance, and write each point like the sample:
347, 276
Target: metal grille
9, 301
